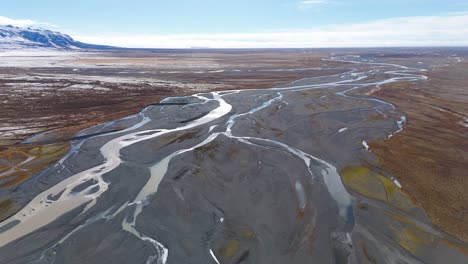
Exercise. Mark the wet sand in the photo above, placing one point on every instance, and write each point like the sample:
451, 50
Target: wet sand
280, 175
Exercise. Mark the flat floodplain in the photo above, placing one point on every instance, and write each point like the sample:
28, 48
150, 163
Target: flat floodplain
235, 156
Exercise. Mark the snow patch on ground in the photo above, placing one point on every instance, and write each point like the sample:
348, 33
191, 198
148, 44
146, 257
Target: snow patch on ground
397, 183
400, 124
464, 122
78, 87
342, 129
364, 143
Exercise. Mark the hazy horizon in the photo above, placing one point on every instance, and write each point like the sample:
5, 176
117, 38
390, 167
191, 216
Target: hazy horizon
244, 24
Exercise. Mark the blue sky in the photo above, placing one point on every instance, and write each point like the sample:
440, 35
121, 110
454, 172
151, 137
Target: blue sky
111, 21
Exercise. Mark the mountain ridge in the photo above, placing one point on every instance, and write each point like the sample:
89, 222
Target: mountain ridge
17, 38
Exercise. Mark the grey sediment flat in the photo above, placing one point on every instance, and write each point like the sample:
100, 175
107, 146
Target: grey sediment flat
229, 177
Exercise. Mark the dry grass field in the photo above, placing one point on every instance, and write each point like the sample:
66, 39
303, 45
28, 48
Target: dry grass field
430, 156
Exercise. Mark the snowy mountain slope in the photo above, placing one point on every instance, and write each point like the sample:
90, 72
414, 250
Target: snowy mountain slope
14, 38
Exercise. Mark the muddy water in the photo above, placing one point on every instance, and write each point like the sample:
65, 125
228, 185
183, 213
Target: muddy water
280, 175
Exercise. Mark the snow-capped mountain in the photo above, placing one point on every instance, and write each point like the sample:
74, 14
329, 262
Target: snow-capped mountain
14, 38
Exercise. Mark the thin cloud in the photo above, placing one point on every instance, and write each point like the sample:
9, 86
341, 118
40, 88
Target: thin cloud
449, 30
24, 22
306, 4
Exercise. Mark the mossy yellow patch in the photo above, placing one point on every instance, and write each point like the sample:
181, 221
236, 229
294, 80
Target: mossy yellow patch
51, 153
230, 249
167, 140
47, 149
413, 239
5, 208
27, 160
35, 151
200, 173
373, 185
363, 181
248, 233
5, 204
